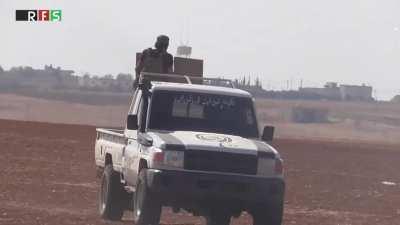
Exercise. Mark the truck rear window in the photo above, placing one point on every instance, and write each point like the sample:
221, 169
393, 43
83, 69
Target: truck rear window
172, 110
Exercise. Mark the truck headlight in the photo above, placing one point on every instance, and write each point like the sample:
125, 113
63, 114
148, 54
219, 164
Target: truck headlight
169, 158
279, 168
269, 167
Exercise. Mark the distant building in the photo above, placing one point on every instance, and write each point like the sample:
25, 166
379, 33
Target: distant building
332, 91
356, 93
58, 70
184, 51
396, 99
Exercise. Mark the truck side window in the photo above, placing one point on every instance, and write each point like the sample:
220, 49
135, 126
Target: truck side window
139, 113
142, 114
137, 101
133, 101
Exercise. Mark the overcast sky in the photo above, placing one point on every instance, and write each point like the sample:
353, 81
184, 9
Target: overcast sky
348, 41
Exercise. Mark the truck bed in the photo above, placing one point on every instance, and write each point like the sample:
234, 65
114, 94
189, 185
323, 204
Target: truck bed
109, 142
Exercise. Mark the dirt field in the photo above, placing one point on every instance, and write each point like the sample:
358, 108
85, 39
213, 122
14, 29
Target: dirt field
48, 177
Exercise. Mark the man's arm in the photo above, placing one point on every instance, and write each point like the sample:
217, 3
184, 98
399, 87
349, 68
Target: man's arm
170, 63
140, 64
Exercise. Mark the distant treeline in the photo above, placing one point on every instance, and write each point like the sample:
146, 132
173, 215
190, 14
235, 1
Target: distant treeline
51, 78
57, 84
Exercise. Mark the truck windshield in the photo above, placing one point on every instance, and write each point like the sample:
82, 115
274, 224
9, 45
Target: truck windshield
173, 110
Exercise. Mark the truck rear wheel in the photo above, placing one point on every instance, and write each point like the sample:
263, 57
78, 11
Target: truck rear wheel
111, 204
147, 209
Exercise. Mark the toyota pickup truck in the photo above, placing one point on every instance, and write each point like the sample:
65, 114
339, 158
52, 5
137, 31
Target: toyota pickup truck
193, 146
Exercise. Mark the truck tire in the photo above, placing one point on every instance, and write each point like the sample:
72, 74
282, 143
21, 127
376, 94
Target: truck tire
147, 210
111, 204
268, 214
218, 219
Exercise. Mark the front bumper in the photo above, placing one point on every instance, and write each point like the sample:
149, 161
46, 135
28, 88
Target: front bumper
184, 186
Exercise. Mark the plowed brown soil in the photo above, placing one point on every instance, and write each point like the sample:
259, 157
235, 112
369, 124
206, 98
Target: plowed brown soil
48, 177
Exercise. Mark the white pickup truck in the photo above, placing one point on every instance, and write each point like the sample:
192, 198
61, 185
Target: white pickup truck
194, 147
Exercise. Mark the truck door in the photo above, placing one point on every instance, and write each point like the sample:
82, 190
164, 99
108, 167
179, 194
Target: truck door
130, 154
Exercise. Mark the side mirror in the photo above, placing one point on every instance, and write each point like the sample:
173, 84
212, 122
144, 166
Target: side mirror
145, 139
132, 122
268, 133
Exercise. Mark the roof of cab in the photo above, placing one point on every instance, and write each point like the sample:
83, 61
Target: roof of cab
199, 89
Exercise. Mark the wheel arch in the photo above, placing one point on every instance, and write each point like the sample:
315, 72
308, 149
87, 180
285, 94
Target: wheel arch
143, 164
108, 159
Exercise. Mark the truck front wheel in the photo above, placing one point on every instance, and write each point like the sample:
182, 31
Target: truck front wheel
268, 214
147, 209
111, 204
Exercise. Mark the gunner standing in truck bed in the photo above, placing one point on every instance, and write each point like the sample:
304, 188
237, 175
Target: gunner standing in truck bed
156, 60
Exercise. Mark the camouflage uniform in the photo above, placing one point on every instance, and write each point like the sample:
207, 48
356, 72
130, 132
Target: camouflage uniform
156, 60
